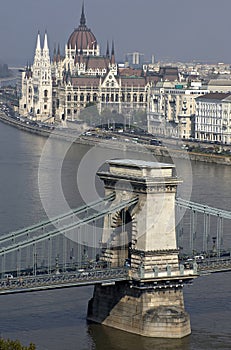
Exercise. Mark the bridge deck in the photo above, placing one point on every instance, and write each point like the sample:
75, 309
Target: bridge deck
104, 276
62, 280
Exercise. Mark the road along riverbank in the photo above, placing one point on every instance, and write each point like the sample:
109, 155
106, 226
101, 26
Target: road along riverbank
79, 137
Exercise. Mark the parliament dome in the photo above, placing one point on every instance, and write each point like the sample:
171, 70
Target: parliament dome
82, 38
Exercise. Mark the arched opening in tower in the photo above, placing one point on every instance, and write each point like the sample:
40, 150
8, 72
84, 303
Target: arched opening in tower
123, 237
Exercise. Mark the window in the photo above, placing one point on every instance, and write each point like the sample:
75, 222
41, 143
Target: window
45, 93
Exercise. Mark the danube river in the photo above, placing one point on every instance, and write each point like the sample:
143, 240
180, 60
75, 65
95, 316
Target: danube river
55, 320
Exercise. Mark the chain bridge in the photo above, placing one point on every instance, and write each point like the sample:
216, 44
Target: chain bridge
127, 246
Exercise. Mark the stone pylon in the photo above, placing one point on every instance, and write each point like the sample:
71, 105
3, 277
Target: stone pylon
142, 236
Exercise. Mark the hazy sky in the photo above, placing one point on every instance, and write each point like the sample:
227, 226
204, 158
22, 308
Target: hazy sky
181, 30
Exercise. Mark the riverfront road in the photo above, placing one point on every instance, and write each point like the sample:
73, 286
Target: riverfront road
114, 140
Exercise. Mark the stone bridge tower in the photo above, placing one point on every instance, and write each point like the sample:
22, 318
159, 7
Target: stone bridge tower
142, 236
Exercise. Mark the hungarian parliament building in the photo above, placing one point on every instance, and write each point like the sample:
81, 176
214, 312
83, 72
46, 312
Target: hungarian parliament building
60, 87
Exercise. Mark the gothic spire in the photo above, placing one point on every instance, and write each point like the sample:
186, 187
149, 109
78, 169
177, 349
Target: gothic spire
83, 18
107, 52
58, 54
113, 53
45, 45
38, 45
54, 54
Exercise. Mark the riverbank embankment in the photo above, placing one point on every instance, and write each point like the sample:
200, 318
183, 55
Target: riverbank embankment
75, 136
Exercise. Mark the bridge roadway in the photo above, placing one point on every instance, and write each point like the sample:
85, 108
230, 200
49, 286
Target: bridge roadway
86, 277
56, 280
214, 265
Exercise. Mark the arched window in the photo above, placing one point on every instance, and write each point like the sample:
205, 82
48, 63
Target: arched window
69, 97
45, 93
128, 97
134, 98
88, 97
141, 97
82, 97
95, 97
75, 97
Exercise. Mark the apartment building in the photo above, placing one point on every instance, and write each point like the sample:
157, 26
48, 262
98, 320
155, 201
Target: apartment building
172, 108
213, 118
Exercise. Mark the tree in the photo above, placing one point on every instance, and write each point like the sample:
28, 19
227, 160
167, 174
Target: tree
14, 345
90, 114
140, 118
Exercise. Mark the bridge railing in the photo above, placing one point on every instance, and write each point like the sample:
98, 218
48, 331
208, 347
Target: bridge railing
60, 280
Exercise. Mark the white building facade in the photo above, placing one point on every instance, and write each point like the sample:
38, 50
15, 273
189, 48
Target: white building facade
172, 108
213, 118
59, 88
36, 89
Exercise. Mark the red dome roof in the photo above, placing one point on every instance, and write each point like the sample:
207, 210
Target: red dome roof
82, 37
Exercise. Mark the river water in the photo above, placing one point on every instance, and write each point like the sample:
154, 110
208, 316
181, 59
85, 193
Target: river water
56, 320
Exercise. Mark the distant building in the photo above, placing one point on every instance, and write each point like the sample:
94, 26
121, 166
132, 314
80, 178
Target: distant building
135, 59
172, 108
213, 118
219, 85
64, 85
36, 89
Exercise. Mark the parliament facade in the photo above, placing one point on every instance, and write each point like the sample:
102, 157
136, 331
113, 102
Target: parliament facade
58, 88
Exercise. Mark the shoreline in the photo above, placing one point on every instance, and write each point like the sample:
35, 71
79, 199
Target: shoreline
76, 137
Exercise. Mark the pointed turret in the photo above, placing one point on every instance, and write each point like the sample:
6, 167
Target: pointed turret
28, 73
83, 18
38, 52
58, 54
107, 51
54, 54
38, 44
113, 53
45, 46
